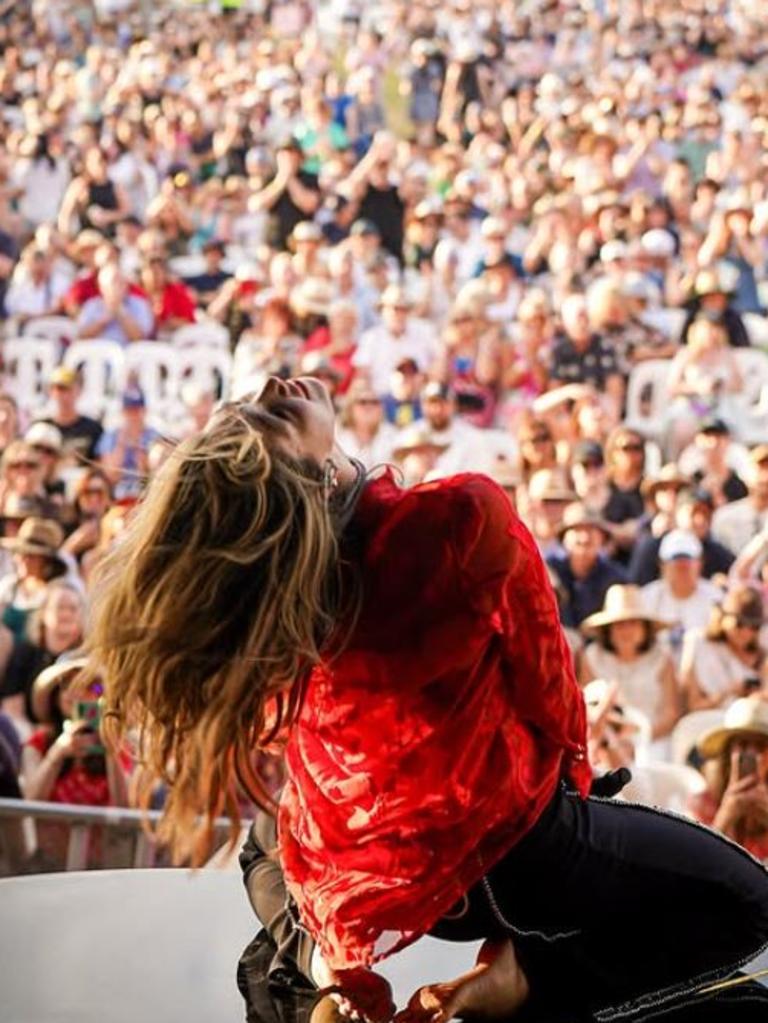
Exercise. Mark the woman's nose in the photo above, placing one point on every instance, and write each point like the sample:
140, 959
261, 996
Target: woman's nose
274, 388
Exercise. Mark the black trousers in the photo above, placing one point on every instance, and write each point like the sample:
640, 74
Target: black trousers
622, 912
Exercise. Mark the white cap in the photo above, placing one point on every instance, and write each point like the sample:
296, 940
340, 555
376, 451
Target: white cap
679, 544
613, 250
658, 242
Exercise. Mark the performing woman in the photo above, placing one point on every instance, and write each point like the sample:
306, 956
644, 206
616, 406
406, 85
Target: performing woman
406, 646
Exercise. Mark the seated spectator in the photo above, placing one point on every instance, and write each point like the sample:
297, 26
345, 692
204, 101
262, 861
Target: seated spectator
117, 313
727, 659
123, 451
93, 497
590, 477
584, 569
36, 287
736, 769
613, 730
47, 443
536, 446
661, 493
542, 504
693, 513
79, 433
581, 357
65, 761
9, 421
205, 285
364, 433
466, 446
269, 346
736, 523
398, 336
171, 301
711, 296
199, 403
418, 453
703, 379
625, 650
21, 474
55, 626
625, 507
707, 463
680, 596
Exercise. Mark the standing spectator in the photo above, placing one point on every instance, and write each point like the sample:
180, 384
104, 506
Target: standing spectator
171, 301
290, 197
680, 596
581, 357
36, 287
92, 199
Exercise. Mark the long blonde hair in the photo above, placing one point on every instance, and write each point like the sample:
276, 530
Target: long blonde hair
209, 614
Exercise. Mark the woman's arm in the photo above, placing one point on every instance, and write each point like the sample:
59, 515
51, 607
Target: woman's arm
670, 711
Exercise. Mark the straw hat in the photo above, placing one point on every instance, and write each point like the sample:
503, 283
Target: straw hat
417, 436
622, 604
551, 485
576, 516
37, 536
49, 680
314, 295
669, 476
746, 718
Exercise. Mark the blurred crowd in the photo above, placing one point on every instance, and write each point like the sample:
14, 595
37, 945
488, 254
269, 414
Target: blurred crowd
527, 238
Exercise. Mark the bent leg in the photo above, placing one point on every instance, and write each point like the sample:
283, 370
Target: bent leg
617, 910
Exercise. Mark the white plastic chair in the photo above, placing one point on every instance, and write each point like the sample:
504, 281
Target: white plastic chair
55, 328
757, 328
206, 332
209, 368
101, 365
651, 376
751, 401
27, 366
127, 945
690, 728
668, 321
154, 367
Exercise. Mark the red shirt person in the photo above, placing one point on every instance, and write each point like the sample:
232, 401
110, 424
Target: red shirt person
484, 716
172, 302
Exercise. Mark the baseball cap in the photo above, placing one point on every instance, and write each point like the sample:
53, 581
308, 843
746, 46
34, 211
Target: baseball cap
363, 227
133, 397
588, 451
436, 391
679, 543
716, 426
63, 376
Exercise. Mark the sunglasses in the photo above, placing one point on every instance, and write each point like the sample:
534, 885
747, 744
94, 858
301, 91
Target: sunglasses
368, 401
43, 450
634, 448
537, 438
95, 492
24, 465
748, 623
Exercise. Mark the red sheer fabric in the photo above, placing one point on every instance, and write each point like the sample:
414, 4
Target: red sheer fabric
434, 742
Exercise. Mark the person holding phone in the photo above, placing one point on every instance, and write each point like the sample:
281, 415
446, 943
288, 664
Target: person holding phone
736, 769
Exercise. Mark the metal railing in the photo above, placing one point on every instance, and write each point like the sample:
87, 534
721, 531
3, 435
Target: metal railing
135, 825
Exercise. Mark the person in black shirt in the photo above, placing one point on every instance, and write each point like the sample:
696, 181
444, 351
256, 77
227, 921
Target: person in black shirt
9, 252
80, 434
206, 284
291, 196
713, 473
376, 199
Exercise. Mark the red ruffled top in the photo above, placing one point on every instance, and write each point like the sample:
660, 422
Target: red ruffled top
434, 742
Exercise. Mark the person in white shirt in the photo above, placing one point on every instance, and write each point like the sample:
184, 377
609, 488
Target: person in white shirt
35, 287
680, 596
467, 448
363, 431
737, 523
399, 336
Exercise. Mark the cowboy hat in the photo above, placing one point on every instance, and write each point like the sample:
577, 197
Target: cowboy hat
669, 476
551, 485
746, 718
622, 604
576, 516
37, 536
417, 436
49, 680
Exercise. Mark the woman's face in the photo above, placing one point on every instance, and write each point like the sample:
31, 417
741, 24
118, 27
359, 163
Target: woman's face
94, 498
627, 637
63, 615
304, 407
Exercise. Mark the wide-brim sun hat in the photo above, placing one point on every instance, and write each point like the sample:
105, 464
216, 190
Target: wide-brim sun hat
49, 680
746, 718
37, 536
416, 437
622, 604
576, 516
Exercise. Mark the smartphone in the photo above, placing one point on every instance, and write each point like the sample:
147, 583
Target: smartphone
747, 763
88, 712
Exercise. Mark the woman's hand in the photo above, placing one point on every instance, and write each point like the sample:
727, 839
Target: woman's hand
74, 741
745, 798
361, 992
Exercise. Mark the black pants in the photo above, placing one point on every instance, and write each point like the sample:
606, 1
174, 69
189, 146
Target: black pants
622, 912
